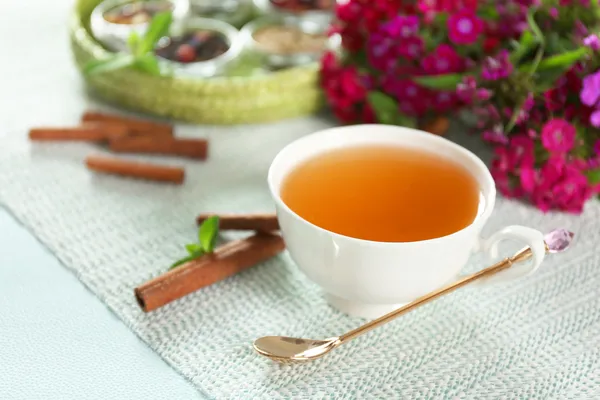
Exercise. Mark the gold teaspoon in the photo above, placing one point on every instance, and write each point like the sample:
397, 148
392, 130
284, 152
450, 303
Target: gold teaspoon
289, 349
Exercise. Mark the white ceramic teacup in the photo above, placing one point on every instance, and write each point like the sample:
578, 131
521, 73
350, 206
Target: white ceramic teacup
367, 278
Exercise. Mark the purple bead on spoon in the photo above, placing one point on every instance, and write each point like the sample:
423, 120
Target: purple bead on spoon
558, 240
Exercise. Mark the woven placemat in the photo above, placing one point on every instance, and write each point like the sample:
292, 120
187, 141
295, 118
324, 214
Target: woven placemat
537, 338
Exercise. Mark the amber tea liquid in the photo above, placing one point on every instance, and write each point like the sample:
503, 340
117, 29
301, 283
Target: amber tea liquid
383, 193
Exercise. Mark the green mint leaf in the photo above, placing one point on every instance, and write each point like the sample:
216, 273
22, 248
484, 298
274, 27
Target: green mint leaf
384, 106
191, 257
148, 63
193, 248
133, 42
564, 60
439, 82
158, 28
112, 63
207, 233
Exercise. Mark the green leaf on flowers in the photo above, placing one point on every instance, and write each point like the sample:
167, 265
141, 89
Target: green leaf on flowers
515, 115
405, 120
489, 13
384, 106
593, 176
439, 82
551, 69
565, 60
546, 80
524, 46
537, 32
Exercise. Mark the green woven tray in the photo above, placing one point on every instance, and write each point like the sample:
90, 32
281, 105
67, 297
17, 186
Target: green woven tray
226, 100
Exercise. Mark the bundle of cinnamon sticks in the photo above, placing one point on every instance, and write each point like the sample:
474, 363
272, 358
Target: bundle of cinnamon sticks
128, 135
227, 260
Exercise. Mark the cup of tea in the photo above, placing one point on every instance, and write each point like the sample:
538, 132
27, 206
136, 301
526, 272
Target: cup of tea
380, 215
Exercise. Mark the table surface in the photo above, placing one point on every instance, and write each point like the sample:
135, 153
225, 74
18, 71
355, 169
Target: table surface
57, 340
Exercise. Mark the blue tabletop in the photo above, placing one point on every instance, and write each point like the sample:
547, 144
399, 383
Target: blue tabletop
58, 341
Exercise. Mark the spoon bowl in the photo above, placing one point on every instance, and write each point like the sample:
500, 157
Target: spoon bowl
282, 348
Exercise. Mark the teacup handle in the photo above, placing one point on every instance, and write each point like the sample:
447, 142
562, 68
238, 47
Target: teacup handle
530, 237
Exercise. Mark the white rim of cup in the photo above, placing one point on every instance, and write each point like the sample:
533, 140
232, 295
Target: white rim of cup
489, 202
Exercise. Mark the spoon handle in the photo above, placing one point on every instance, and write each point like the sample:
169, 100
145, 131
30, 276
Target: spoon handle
522, 255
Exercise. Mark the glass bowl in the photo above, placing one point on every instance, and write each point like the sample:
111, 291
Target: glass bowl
114, 35
234, 12
275, 54
270, 7
207, 68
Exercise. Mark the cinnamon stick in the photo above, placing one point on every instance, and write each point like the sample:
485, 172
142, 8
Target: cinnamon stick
135, 126
437, 126
244, 222
193, 148
87, 132
226, 261
134, 169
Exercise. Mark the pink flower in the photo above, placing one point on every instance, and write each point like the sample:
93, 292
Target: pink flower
494, 68
521, 151
562, 185
502, 181
426, 6
368, 115
464, 27
403, 89
411, 48
467, 91
558, 135
329, 63
349, 11
593, 42
529, 178
444, 101
352, 86
444, 59
555, 99
590, 93
402, 27
382, 51
518, 154
415, 108
495, 135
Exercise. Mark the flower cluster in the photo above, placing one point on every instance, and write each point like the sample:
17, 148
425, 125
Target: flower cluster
526, 71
